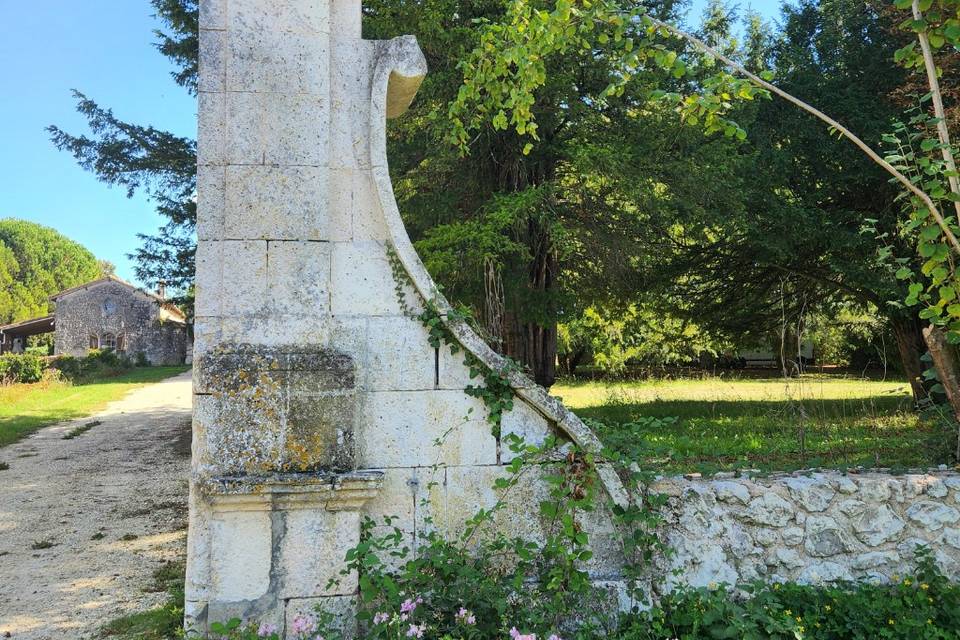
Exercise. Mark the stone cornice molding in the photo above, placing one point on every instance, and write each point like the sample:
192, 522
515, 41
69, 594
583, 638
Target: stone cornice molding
286, 492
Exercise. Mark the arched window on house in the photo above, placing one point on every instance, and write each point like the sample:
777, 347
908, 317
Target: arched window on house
108, 341
94, 341
121, 343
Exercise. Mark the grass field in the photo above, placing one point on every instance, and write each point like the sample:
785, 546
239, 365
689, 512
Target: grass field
772, 424
24, 408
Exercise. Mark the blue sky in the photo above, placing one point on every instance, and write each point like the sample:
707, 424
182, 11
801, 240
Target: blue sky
103, 48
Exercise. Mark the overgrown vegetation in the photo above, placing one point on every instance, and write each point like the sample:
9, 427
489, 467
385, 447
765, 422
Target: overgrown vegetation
21, 368
922, 605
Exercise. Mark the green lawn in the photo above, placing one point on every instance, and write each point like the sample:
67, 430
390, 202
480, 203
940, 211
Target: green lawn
772, 424
24, 408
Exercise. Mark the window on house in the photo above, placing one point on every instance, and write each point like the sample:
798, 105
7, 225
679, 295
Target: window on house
121, 342
109, 307
94, 342
108, 341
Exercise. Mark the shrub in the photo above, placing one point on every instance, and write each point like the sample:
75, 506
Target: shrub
69, 366
924, 605
22, 367
97, 363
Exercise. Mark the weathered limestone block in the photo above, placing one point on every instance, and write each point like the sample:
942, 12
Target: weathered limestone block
823, 572
297, 275
825, 537
526, 423
277, 409
310, 553
769, 509
813, 494
353, 208
275, 128
276, 203
877, 525
240, 535
398, 355
211, 195
269, 61
731, 491
424, 428
932, 515
294, 16
366, 267
244, 270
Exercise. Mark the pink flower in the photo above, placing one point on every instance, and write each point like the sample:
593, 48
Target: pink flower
266, 629
516, 635
409, 605
303, 625
380, 617
465, 617
416, 631
554, 636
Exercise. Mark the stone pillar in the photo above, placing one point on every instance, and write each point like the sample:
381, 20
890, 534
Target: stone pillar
275, 493
318, 391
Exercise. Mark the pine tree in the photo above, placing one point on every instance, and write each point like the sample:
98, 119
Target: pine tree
146, 159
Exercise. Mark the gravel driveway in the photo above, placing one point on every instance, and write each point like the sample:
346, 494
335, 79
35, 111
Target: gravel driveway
85, 522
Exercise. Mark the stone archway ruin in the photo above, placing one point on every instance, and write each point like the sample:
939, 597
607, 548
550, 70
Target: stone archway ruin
318, 398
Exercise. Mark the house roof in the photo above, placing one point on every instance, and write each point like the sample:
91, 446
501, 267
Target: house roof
29, 327
174, 311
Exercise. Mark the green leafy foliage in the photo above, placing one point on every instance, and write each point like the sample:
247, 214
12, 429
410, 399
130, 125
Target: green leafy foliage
21, 368
483, 582
923, 605
98, 363
35, 263
156, 162
509, 66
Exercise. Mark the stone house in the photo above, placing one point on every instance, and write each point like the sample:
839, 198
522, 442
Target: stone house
109, 313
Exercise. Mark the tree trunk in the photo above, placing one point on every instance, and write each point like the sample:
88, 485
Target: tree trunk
534, 341
541, 336
944, 356
910, 345
573, 360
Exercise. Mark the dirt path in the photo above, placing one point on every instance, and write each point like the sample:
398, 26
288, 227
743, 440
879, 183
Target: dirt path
111, 502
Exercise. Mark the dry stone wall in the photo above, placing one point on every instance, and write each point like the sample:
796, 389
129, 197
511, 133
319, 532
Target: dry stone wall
810, 527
